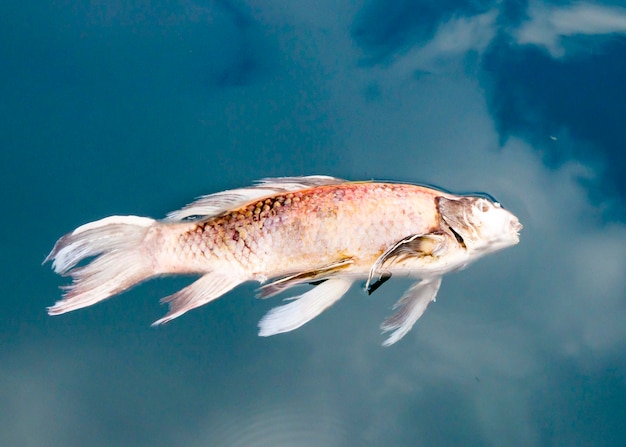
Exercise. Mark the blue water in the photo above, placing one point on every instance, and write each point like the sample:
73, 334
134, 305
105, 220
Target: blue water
114, 107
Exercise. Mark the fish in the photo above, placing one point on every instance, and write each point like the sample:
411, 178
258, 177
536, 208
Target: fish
283, 232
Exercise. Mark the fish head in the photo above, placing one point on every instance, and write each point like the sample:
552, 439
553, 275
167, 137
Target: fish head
479, 224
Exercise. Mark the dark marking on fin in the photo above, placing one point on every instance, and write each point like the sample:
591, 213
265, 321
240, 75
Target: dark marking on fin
379, 282
318, 282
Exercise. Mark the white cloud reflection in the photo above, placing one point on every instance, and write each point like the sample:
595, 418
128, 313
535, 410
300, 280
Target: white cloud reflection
452, 40
547, 25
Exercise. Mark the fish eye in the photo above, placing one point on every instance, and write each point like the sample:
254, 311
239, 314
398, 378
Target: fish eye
483, 205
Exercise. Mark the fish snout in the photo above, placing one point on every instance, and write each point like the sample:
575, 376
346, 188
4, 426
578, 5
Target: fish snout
516, 226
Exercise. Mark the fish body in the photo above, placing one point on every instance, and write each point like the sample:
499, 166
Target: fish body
293, 230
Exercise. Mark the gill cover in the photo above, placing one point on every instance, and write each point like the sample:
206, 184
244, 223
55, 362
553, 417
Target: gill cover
454, 213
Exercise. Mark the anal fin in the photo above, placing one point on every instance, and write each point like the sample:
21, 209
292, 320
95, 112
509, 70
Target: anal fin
205, 289
303, 308
412, 305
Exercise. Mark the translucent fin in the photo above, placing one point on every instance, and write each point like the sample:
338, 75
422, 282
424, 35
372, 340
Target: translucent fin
416, 245
304, 307
207, 288
282, 284
412, 305
298, 183
121, 262
214, 204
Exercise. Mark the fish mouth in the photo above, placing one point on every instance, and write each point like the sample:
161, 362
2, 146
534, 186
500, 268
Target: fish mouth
516, 226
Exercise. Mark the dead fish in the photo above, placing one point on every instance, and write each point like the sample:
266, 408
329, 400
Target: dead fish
319, 230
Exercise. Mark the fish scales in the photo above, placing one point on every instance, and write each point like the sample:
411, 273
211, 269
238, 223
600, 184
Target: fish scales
301, 230
287, 231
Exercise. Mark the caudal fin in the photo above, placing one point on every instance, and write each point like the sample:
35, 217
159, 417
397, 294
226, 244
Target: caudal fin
121, 260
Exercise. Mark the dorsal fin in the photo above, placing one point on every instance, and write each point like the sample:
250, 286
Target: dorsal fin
214, 204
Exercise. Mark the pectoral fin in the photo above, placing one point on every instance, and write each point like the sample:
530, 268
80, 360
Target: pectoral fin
316, 276
416, 245
411, 306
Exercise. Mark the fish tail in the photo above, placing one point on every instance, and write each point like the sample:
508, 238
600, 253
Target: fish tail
122, 260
